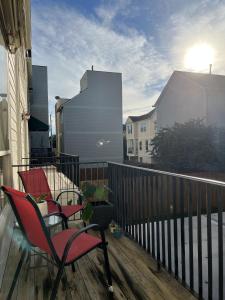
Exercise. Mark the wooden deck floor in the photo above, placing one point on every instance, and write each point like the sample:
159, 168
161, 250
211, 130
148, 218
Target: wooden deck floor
134, 272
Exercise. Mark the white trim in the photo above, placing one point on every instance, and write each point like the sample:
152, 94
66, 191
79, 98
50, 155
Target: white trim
4, 152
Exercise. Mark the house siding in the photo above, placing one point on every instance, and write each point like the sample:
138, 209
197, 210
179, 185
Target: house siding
94, 115
192, 96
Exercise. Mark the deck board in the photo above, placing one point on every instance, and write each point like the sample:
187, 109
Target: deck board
134, 273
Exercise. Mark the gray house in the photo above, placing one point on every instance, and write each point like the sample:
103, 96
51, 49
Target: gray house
190, 96
38, 123
90, 124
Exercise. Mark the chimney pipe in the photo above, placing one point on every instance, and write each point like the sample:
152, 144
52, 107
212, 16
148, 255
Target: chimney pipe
210, 68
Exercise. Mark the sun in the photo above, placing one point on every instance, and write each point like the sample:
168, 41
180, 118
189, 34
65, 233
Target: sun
199, 57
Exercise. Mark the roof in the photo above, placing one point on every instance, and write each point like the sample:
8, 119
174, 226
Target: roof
37, 125
207, 81
142, 117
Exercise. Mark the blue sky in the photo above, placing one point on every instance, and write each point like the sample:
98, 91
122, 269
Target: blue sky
146, 40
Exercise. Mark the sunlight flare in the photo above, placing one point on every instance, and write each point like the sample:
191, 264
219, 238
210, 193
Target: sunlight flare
199, 57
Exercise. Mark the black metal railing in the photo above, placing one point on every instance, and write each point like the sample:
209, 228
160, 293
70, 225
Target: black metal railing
66, 173
176, 218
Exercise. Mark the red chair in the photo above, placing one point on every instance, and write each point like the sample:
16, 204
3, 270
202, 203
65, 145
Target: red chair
64, 247
36, 184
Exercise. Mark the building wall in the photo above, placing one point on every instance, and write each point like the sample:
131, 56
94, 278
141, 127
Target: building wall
190, 96
137, 136
144, 155
39, 98
95, 116
18, 104
17, 73
39, 105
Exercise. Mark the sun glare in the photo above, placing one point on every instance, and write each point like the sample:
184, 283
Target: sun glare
199, 57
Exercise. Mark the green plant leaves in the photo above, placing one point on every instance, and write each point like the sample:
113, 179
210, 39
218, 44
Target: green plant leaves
87, 212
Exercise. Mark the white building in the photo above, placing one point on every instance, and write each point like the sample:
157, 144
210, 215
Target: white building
189, 96
90, 124
140, 130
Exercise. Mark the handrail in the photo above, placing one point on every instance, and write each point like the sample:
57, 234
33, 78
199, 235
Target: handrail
187, 177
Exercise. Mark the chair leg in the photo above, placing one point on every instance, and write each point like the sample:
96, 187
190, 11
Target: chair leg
73, 267
107, 268
56, 282
18, 269
66, 223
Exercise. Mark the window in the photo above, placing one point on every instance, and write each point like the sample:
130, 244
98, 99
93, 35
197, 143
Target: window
146, 145
140, 145
143, 127
129, 128
141, 159
4, 142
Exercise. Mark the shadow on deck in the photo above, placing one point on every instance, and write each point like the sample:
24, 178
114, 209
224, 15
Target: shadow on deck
134, 272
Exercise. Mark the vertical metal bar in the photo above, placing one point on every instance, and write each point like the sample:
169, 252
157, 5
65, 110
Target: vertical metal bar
182, 231
174, 195
190, 230
132, 202
199, 237
153, 215
144, 208
162, 218
220, 241
209, 241
168, 198
148, 196
158, 186
140, 203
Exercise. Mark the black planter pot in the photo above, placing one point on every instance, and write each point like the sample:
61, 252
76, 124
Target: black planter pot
102, 213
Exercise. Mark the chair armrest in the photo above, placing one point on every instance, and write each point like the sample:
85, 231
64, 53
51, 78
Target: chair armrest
57, 204
60, 214
76, 234
71, 191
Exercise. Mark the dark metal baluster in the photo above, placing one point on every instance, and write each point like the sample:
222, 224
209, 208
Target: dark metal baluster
140, 202
182, 231
153, 215
157, 195
190, 230
220, 241
162, 217
199, 237
169, 199
209, 241
144, 209
148, 196
174, 195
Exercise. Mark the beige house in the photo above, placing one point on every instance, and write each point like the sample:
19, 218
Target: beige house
15, 66
15, 75
140, 130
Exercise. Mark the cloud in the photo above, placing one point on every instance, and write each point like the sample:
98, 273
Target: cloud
69, 43
202, 22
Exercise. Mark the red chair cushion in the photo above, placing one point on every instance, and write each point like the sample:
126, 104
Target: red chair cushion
69, 210
82, 244
29, 218
35, 183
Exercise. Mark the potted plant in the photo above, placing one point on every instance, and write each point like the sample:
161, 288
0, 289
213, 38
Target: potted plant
97, 208
42, 204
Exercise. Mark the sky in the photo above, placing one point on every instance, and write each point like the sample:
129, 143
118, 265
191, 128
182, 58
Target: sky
145, 40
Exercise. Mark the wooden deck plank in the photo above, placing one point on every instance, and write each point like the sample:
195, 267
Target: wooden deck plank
163, 286
134, 273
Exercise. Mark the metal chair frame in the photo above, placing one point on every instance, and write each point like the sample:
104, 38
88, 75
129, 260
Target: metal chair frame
59, 263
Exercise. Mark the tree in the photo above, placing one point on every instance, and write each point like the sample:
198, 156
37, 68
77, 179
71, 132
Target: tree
191, 146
